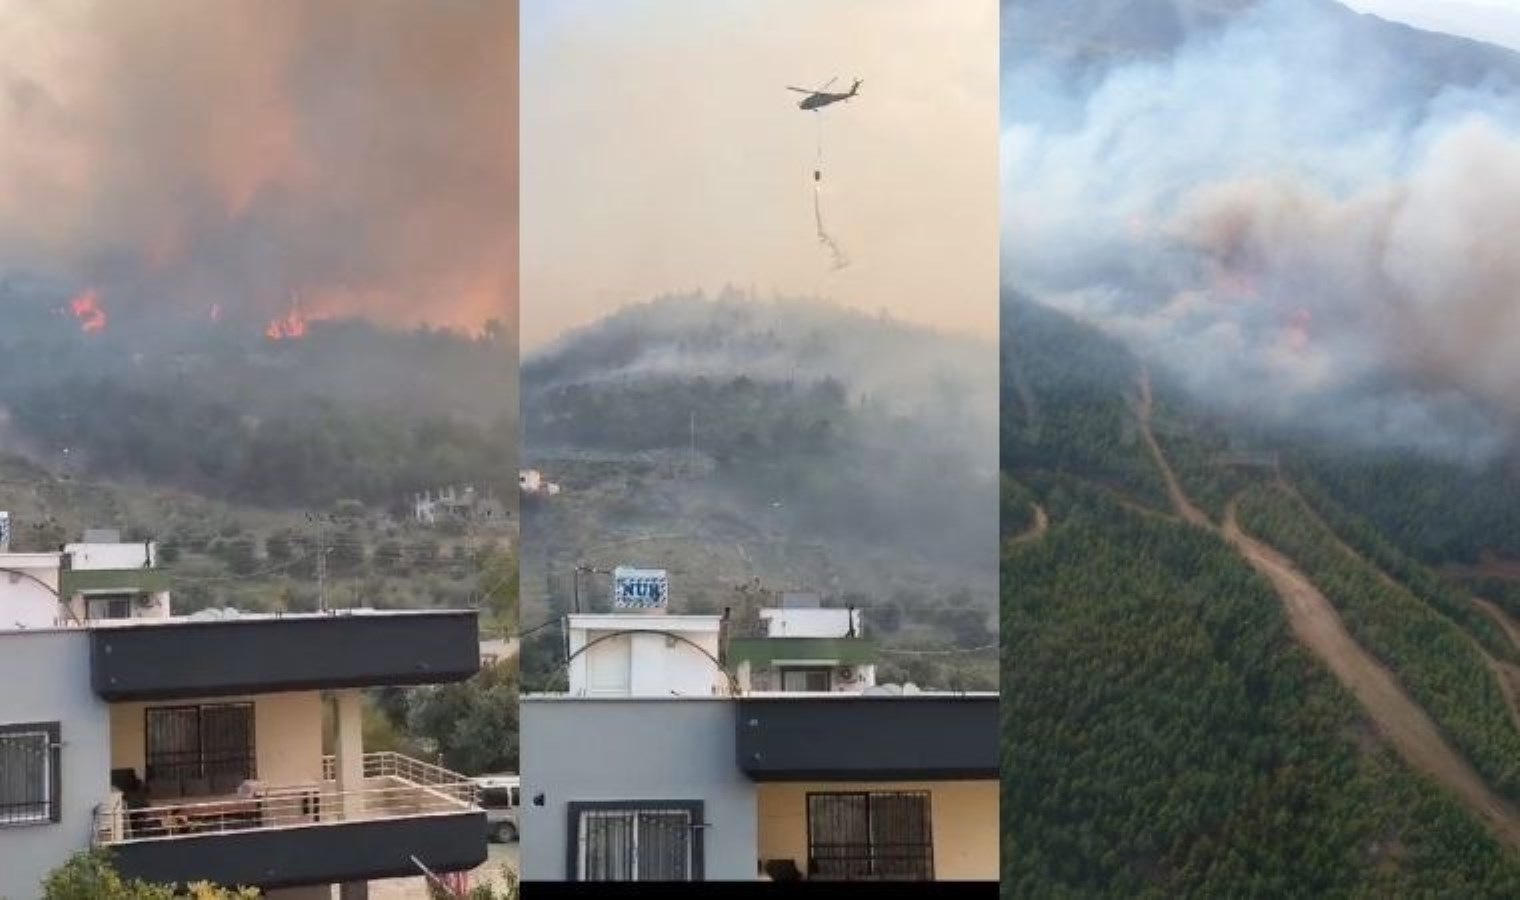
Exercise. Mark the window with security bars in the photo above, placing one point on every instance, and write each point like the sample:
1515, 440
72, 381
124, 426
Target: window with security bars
199, 750
637, 842
29, 773
870, 836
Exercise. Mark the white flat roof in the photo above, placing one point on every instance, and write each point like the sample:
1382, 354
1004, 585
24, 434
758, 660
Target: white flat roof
643, 622
760, 695
217, 615
30, 560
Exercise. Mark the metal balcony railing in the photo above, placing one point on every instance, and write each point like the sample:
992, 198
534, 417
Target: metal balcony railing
393, 787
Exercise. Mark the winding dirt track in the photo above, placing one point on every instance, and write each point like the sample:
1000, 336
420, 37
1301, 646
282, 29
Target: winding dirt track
1398, 718
1180, 501
1035, 531
1501, 618
1315, 622
1506, 675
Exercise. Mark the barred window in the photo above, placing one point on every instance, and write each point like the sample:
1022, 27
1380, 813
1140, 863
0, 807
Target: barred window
636, 841
197, 751
870, 836
29, 778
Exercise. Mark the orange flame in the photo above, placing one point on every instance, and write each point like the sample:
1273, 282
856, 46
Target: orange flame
290, 326
87, 310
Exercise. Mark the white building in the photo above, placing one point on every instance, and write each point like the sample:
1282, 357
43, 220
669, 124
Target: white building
657, 764
192, 747
805, 649
645, 655
531, 481
461, 504
29, 590
88, 581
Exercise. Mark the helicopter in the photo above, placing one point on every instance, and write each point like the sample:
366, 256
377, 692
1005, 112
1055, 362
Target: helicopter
820, 98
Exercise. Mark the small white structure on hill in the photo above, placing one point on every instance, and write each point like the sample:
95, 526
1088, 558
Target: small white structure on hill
460, 504
531, 481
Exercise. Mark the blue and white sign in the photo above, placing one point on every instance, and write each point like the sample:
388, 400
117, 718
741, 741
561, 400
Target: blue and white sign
5, 532
639, 588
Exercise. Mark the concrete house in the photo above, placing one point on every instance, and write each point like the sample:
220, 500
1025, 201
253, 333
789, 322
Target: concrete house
803, 647
666, 760
193, 747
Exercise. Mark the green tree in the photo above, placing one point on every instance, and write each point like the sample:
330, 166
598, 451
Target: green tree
90, 876
497, 587
241, 558
473, 724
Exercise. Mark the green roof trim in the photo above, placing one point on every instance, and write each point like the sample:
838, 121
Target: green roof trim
761, 652
145, 581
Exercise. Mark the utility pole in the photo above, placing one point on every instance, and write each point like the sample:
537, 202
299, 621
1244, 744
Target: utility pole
321, 564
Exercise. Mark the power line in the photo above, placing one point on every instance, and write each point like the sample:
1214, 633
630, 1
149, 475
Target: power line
232, 576
945, 652
537, 628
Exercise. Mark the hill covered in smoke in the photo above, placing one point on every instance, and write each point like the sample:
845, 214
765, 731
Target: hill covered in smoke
854, 425
905, 369
785, 444
1304, 211
1258, 452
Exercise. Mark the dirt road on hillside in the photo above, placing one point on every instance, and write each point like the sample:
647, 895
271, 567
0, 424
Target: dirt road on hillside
1035, 531
1316, 623
1398, 718
1506, 675
1179, 498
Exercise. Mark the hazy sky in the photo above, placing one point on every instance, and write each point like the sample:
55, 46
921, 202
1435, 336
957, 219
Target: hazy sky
1495, 21
185, 156
661, 152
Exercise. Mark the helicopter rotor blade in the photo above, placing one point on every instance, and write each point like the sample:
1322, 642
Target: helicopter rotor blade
828, 83
800, 90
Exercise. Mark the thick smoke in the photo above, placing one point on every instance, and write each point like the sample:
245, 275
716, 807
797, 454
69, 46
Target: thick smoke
946, 381
1287, 212
348, 156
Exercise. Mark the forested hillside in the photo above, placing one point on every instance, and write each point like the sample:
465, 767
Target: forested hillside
1177, 722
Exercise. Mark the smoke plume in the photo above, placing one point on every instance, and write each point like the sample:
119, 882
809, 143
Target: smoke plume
349, 157
1293, 213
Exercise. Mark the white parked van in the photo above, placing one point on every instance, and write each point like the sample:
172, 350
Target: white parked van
500, 796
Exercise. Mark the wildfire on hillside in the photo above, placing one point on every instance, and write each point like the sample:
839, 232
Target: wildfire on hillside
290, 326
86, 309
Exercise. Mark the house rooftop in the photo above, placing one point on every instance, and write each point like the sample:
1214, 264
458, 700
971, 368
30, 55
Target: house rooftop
643, 621
831, 696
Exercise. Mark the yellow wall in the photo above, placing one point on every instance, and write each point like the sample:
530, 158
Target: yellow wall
963, 817
287, 731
